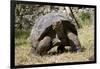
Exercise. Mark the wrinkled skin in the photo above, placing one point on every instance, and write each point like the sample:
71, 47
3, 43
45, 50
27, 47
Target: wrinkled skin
43, 35
67, 33
67, 36
44, 43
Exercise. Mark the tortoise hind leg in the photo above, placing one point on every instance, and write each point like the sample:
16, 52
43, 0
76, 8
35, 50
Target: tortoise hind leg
74, 42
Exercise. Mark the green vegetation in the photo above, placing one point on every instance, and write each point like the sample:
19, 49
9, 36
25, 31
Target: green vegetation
24, 55
83, 18
21, 37
23, 52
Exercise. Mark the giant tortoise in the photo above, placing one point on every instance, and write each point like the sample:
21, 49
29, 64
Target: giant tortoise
53, 26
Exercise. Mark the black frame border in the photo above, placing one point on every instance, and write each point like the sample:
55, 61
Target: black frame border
12, 34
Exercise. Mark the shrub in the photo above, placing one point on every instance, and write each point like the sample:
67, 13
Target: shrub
84, 18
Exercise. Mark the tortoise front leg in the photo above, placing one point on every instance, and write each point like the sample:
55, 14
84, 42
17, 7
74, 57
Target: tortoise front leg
44, 45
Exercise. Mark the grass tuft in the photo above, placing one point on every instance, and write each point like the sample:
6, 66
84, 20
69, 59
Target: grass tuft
24, 56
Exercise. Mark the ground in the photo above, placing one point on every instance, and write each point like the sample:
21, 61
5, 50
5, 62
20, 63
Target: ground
24, 56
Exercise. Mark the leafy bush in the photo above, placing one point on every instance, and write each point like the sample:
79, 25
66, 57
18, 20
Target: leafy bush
84, 15
83, 18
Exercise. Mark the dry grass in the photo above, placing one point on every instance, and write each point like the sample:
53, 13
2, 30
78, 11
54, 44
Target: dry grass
24, 56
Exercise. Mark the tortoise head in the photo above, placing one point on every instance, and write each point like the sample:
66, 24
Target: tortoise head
57, 25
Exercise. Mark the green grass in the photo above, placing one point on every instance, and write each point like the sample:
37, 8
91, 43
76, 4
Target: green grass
83, 18
21, 37
24, 56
